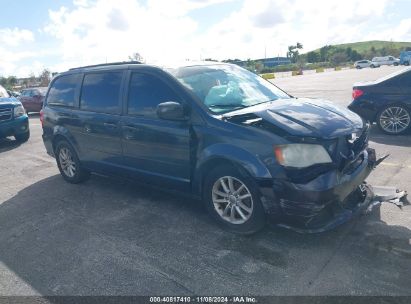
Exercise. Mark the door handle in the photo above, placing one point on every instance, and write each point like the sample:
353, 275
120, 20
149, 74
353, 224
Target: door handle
131, 128
110, 125
130, 132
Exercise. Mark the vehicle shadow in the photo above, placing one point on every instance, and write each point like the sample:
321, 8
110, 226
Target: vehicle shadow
106, 237
378, 136
7, 144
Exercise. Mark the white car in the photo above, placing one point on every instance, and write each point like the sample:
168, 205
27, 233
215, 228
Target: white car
366, 64
387, 60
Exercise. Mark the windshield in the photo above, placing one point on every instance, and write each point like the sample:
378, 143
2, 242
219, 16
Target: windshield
225, 88
3, 93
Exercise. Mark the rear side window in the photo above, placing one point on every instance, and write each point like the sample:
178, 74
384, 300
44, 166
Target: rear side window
62, 91
101, 92
146, 92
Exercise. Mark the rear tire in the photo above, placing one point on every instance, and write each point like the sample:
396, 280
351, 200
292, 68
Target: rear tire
407, 63
22, 138
394, 119
233, 200
69, 164
372, 66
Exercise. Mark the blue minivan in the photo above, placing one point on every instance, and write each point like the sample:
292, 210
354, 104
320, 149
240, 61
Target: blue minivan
216, 131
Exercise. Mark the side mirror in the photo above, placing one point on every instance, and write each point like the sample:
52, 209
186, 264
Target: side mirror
171, 110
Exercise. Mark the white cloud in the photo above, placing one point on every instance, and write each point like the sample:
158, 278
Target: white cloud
95, 31
14, 37
10, 54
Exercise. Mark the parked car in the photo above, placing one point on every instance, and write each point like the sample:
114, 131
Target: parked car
13, 118
386, 60
365, 64
32, 99
216, 131
405, 58
386, 101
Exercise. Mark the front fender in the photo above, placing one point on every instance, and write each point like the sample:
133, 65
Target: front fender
232, 154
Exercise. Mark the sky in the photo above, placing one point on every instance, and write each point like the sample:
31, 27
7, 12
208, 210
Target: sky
59, 35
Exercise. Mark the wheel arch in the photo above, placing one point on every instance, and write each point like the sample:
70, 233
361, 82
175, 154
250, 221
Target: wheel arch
225, 154
59, 134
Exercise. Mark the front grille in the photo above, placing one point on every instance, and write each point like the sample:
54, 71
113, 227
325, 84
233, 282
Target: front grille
6, 114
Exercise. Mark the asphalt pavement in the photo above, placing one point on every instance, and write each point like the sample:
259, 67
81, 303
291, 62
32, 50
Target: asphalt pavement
113, 237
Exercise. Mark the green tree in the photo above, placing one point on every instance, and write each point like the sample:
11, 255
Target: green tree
339, 57
313, 57
293, 51
45, 78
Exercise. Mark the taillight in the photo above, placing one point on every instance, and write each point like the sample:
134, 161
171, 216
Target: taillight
357, 93
41, 117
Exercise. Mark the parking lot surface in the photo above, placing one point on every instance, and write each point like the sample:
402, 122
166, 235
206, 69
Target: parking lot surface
111, 237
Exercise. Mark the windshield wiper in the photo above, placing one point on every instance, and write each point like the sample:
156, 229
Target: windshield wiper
227, 106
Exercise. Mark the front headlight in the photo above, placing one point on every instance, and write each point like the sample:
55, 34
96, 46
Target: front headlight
301, 155
19, 111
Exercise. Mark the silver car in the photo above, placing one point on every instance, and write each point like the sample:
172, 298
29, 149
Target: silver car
387, 60
366, 64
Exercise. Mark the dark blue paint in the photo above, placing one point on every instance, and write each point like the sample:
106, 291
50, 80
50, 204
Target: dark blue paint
383, 92
179, 154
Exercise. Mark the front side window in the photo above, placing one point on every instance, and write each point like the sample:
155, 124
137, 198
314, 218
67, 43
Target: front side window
225, 88
62, 91
146, 92
101, 92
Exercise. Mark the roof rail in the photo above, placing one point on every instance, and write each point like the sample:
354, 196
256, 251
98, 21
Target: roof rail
106, 64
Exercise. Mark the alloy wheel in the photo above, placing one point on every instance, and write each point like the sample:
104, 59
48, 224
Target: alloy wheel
67, 162
232, 200
394, 120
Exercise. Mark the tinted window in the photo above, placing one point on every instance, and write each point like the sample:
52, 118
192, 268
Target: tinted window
146, 93
101, 92
62, 91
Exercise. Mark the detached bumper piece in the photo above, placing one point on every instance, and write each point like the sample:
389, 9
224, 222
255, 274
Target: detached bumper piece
386, 195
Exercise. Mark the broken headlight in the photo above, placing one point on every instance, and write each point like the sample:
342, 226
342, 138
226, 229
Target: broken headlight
301, 155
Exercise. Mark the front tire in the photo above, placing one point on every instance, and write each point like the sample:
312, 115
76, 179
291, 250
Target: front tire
394, 119
233, 200
69, 163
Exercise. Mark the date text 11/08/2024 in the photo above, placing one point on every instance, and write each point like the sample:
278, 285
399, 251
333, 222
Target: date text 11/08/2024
234, 299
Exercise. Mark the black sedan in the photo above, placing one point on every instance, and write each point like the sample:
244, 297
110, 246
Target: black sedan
386, 101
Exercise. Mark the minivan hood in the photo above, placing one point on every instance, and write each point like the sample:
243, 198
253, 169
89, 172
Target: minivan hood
305, 117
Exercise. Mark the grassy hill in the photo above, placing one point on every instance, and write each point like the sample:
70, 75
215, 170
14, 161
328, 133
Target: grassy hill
365, 46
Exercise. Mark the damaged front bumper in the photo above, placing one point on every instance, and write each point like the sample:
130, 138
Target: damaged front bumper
326, 201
